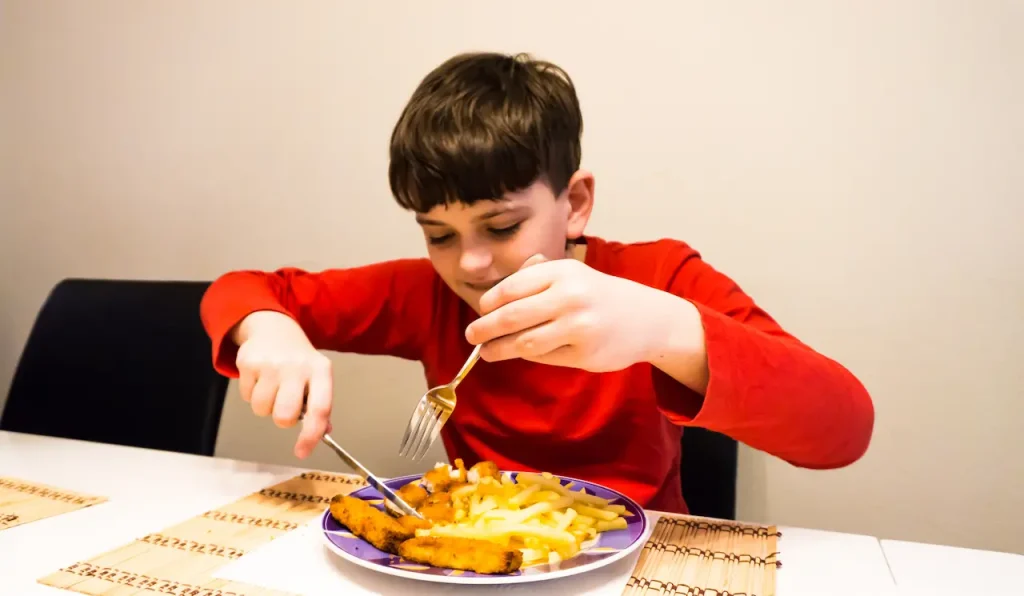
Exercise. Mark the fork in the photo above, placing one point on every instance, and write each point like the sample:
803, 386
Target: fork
432, 412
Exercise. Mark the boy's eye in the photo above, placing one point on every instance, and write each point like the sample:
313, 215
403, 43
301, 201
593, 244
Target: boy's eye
505, 232
439, 239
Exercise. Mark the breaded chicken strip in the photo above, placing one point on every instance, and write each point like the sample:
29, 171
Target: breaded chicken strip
438, 508
441, 479
411, 493
414, 523
484, 469
468, 554
371, 524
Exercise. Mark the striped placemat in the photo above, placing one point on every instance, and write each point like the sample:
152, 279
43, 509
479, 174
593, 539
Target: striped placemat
182, 559
23, 501
697, 556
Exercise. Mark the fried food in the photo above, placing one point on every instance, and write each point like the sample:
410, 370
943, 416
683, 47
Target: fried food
438, 508
414, 523
484, 469
468, 554
412, 493
439, 498
444, 477
371, 524
483, 520
546, 521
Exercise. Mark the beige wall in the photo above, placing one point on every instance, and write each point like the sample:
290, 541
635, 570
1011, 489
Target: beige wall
856, 166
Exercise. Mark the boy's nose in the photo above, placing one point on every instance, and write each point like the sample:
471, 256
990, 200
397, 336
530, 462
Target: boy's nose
475, 261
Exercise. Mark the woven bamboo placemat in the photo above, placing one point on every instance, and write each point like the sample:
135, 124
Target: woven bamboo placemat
700, 557
22, 501
182, 559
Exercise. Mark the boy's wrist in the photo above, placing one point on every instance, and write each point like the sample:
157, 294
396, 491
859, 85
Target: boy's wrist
676, 343
261, 319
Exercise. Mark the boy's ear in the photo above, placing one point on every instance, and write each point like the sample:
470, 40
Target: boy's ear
580, 197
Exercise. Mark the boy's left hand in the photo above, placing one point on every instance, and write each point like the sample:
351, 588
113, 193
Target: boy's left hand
565, 313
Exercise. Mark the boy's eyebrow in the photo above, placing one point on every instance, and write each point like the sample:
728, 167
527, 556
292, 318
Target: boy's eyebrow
483, 216
423, 221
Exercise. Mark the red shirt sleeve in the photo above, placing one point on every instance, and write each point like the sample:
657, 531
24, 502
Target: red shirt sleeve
383, 308
766, 388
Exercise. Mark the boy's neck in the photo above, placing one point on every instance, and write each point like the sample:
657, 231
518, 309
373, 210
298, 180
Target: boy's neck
578, 251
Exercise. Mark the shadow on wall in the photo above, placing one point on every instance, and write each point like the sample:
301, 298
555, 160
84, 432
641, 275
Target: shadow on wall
8, 352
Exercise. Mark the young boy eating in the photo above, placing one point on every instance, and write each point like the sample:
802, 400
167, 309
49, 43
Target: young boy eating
595, 353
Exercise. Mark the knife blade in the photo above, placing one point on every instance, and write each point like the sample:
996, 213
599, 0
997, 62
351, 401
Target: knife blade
372, 480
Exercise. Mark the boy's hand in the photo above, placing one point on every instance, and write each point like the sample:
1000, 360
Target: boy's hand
278, 369
565, 313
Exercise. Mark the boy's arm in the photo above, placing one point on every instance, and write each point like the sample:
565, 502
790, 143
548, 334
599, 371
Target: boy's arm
383, 308
763, 387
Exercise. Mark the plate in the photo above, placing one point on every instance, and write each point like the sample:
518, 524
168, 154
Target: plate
608, 548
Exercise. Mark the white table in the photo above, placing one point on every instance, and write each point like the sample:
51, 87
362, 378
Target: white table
934, 569
146, 494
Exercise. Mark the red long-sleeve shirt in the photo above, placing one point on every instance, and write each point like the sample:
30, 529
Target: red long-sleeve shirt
621, 429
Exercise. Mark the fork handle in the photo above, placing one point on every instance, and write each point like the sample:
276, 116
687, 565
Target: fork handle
467, 366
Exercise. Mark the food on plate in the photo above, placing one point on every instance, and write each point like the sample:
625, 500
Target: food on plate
535, 514
444, 477
483, 520
468, 554
484, 469
438, 508
414, 523
373, 525
413, 494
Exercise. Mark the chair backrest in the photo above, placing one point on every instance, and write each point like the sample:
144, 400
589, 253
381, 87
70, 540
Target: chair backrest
119, 361
708, 473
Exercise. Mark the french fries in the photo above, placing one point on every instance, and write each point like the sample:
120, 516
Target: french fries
546, 521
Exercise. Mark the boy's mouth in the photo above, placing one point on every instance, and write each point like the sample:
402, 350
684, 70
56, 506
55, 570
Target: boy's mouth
481, 287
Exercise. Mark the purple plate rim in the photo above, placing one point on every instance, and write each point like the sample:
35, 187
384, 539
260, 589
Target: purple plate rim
354, 549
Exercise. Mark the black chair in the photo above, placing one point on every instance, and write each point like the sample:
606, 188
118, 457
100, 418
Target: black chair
708, 473
125, 362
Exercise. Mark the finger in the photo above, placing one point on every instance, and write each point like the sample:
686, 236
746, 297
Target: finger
528, 344
246, 382
565, 355
514, 317
527, 281
317, 420
535, 259
263, 394
288, 405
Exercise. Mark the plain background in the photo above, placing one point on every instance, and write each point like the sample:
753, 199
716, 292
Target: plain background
856, 166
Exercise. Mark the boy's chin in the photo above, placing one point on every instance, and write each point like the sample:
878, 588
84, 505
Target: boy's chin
472, 298
468, 295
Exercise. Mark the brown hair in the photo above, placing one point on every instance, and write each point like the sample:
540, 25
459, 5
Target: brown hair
484, 124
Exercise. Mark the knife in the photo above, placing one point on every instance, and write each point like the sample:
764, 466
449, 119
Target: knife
370, 479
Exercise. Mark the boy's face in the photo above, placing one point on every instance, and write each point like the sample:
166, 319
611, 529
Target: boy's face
473, 247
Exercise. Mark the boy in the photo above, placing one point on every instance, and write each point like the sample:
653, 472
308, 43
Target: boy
596, 353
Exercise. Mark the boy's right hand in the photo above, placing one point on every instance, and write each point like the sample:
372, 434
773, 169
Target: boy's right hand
279, 369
